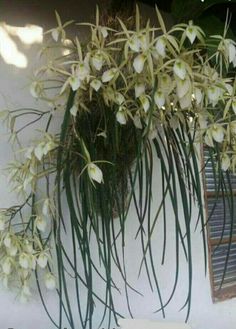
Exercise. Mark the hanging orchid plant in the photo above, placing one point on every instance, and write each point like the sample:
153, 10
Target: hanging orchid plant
130, 96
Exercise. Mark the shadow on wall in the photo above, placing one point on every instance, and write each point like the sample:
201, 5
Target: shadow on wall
147, 324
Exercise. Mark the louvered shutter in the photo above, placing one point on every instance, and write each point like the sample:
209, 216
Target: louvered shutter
221, 209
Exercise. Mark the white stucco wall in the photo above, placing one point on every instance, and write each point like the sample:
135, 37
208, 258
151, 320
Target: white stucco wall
14, 93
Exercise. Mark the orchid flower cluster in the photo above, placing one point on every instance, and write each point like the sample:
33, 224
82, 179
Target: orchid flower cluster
148, 78
151, 78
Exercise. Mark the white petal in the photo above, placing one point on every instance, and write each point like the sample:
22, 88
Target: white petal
138, 63
104, 32
121, 117
191, 33
74, 82
225, 162
82, 71
95, 173
183, 86
232, 52
50, 281
159, 99
96, 84
180, 69
139, 89
41, 223
198, 95
24, 261
97, 61
145, 102
108, 75
119, 98
74, 110
39, 151
208, 138
55, 34
213, 94
143, 42
134, 43
166, 84
161, 47
42, 260
217, 133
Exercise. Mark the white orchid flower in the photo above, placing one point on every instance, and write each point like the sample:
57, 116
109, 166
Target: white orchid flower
197, 95
180, 69
41, 223
109, 75
24, 260
74, 110
232, 52
208, 138
96, 84
161, 47
166, 84
159, 98
121, 116
104, 32
138, 63
213, 94
95, 173
74, 82
97, 61
217, 132
145, 102
7, 265
42, 260
191, 32
134, 43
55, 34
183, 86
50, 281
143, 42
119, 98
28, 247
139, 89
82, 71
225, 162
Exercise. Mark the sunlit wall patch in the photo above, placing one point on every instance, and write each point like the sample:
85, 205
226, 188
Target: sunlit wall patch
30, 34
